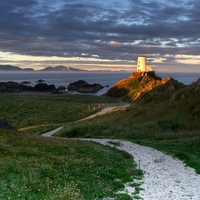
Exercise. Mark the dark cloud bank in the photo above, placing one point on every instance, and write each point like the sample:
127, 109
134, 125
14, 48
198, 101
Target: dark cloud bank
105, 29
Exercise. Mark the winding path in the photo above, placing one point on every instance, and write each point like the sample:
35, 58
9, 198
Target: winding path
165, 178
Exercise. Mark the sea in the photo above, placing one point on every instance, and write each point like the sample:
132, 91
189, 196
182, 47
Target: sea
103, 78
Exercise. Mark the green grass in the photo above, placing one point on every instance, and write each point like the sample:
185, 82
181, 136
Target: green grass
34, 167
44, 168
84, 130
163, 121
40, 113
168, 137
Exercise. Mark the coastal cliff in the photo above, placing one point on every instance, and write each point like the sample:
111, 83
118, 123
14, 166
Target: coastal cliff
140, 82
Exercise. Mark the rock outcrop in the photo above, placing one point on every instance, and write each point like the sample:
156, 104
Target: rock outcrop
83, 87
40, 81
90, 88
61, 87
10, 87
4, 123
25, 82
139, 83
43, 87
76, 85
13, 87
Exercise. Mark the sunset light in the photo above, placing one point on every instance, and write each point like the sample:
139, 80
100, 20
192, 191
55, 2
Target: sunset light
107, 35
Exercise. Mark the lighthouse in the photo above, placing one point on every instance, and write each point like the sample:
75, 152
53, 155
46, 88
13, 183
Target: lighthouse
141, 64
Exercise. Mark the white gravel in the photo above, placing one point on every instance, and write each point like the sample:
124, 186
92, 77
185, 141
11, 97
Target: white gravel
106, 110
165, 178
50, 133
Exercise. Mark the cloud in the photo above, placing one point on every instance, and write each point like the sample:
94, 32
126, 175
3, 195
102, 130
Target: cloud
103, 29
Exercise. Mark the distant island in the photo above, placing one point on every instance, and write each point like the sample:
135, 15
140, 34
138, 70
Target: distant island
60, 68
50, 69
13, 68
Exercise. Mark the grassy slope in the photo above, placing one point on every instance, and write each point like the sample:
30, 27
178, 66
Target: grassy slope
34, 167
45, 168
39, 113
130, 88
168, 121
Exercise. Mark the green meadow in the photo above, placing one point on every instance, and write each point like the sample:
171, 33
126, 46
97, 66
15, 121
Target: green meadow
34, 167
167, 121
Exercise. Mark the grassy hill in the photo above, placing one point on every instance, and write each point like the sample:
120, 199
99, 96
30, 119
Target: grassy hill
45, 168
35, 167
164, 116
139, 83
37, 113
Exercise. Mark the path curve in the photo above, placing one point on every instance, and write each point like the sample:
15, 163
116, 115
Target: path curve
165, 177
50, 133
107, 108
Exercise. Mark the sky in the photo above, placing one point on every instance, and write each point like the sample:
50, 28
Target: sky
106, 34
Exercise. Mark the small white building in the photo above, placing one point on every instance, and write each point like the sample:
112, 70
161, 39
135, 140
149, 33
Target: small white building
142, 65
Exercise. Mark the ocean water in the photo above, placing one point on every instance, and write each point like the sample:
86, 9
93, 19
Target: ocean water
103, 78
65, 78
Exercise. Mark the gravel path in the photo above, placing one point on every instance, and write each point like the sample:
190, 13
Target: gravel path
165, 178
106, 109
50, 133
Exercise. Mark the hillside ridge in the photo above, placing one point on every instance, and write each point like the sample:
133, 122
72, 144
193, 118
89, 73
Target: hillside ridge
140, 82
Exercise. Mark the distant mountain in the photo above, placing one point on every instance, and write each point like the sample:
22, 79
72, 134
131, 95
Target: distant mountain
51, 69
61, 68
13, 68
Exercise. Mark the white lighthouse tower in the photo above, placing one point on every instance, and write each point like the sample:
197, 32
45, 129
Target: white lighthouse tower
141, 64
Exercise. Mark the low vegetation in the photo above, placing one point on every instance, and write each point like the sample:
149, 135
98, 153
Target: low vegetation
167, 121
35, 114
35, 167
44, 168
